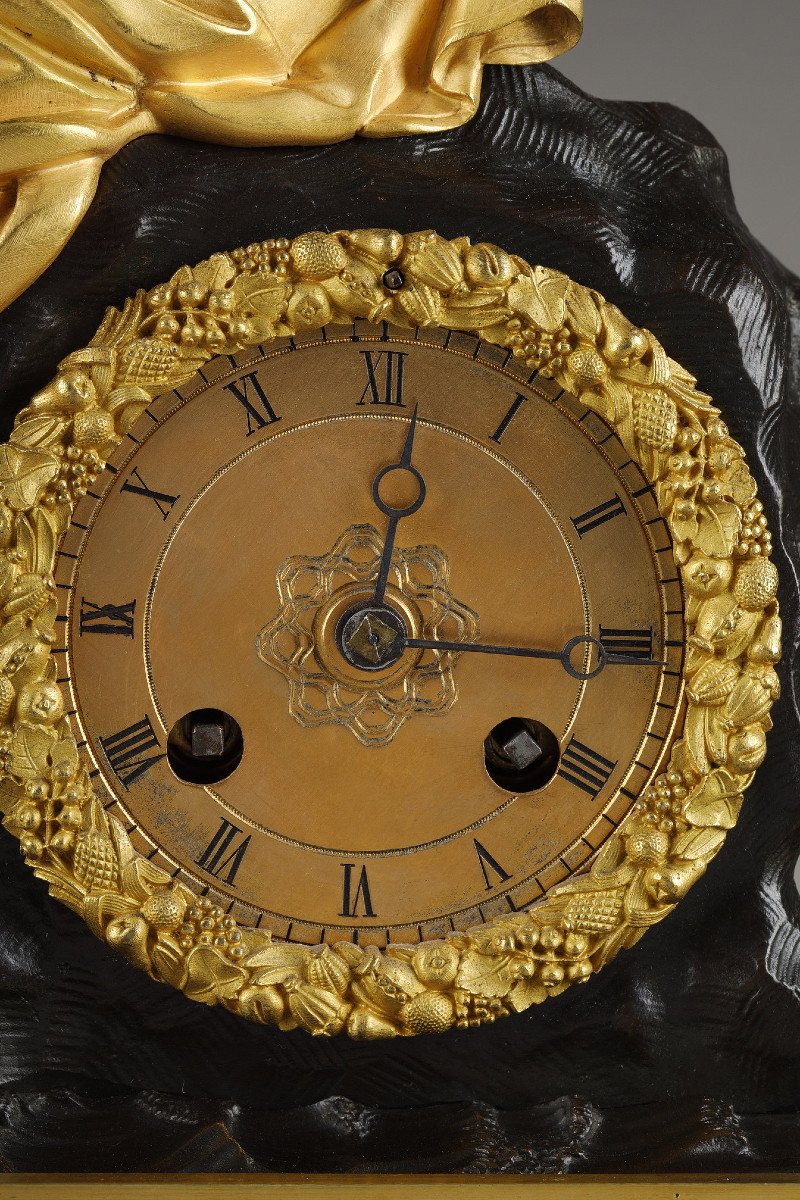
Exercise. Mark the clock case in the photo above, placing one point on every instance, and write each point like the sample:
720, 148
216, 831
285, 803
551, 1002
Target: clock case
682, 1054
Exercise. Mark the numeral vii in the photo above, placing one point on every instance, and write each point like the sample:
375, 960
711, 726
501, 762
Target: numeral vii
222, 857
630, 643
127, 751
107, 618
162, 500
384, 378
584, 767
606, 511
257, 407
351, 898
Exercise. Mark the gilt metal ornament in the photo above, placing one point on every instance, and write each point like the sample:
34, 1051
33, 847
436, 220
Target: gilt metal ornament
704, 491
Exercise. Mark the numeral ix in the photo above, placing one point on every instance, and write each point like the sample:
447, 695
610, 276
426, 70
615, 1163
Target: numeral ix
107, 618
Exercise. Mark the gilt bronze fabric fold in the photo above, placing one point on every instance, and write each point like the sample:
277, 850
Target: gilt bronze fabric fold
80, 78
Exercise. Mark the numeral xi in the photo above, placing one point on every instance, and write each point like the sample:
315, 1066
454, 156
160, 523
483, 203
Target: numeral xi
257, 407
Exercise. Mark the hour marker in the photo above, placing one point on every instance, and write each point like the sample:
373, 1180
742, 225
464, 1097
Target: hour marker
606, 511
584, 767
488, 863
162, 500
222, 856
350, 898
384, 378
107, 618
258, 410
497, 436
127, 751
630, 643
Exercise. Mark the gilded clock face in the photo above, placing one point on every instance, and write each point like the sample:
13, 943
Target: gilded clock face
373, 634
387, 636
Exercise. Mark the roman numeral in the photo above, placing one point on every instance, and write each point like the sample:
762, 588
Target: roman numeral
350, 899
489, 864
606, 511
584, 767
127, 751
257, 407
497, 436
162, 500
630, 643
222, 857
384, 378
107, 618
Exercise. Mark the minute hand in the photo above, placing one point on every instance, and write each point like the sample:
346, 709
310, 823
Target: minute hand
604, 658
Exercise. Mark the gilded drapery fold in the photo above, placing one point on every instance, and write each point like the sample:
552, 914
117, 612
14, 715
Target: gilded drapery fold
80, 78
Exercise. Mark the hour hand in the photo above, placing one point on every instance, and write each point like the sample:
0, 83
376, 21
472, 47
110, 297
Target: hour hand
402, 481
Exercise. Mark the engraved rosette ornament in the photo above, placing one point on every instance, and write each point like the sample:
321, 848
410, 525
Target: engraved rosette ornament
704, 491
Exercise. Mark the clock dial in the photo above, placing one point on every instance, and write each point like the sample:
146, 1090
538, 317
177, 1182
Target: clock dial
371, 635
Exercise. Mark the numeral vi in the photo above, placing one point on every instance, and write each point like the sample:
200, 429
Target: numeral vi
352, 897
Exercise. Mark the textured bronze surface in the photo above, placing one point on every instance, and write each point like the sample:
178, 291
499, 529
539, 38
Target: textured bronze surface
684, 1056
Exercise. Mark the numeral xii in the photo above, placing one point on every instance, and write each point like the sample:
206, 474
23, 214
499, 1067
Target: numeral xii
384, 378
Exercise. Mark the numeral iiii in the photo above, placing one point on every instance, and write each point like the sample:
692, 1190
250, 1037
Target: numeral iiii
127, 751
384, 378
222, 857
584, 767
350, 898
107, 618
257, 407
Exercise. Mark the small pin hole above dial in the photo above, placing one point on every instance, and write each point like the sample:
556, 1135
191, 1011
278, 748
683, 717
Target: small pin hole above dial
205, 746
521, 754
